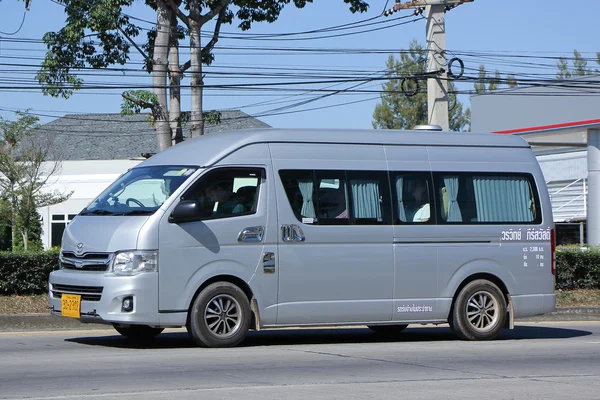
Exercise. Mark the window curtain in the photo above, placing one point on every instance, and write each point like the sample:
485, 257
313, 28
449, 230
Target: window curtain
401, 211
500, 199
366, 201
454, 214
308, 207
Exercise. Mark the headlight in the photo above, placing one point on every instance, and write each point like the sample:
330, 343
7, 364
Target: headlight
135, 262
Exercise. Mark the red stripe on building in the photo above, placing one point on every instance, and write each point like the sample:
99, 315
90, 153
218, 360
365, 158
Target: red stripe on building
549, 127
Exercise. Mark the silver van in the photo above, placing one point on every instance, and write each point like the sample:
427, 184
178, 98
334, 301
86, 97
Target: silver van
273, 228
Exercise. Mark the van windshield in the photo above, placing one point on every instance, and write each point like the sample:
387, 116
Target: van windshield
140, 191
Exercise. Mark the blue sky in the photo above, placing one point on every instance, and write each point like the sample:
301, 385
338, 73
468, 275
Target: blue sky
492, 32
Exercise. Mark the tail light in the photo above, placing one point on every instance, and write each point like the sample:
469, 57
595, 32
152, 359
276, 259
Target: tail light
553, 251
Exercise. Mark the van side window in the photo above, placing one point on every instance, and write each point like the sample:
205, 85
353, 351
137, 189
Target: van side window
227, 192
326, 197
480, 198
370, 197
299, 187
412, 197
332, 198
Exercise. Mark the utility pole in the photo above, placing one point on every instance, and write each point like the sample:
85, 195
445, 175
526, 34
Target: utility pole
593, 196
437, 83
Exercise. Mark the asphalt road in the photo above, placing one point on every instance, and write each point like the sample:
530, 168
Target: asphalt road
553, 360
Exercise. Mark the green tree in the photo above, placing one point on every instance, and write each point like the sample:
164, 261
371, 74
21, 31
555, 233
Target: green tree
479, 85
401, 110
25, 167
485, 84
563, 69
495, 82
511, 81
98, 34
34, 236
5, 240
579, 66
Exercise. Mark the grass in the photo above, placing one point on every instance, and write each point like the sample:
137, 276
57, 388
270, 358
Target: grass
38, 304
574, 298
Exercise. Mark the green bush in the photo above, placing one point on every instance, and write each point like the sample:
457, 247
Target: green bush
577, 269
26, 273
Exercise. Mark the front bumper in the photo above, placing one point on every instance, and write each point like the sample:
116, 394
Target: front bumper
102, 296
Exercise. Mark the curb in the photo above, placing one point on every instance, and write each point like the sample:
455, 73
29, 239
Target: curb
43, 322
567, 314
47, 322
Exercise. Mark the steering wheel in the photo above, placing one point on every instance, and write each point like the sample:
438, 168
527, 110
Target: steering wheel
139, 203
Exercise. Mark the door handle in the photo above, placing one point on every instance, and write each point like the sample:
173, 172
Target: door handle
292, 233
251, 234
269, 263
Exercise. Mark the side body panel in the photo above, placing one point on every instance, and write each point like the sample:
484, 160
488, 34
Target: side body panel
339, 273
415, 250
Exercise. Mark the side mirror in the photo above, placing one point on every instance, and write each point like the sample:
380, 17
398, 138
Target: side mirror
186, 211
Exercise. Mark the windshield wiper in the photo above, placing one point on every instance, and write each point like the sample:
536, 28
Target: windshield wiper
137, 212
97, 212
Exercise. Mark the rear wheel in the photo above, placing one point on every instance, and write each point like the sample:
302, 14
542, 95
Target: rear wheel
387, 329
138, 332
220, 316
479, 312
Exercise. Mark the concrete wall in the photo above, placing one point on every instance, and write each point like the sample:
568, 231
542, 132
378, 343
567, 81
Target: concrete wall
528, 107
564, 166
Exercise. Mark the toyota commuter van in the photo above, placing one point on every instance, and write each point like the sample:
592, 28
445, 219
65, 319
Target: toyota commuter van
271, 228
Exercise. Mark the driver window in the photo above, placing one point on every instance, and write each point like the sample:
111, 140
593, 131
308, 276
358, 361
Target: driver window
225, 193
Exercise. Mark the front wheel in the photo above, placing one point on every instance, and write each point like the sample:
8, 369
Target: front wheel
138, 332
479, 312
220, 316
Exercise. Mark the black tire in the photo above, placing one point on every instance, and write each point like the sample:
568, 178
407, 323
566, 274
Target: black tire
387, 329
220, 316
138, 332
479, 312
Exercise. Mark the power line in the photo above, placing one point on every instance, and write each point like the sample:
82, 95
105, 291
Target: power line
19, 28
288, 35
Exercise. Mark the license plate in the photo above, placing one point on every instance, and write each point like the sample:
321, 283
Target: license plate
71, 305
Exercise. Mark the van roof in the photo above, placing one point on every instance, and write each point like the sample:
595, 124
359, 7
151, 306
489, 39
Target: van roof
210, 148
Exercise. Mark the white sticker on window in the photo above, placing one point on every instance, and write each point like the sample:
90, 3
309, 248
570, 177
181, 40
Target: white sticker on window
308, 220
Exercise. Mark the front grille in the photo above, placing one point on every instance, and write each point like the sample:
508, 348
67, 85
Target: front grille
85, 256
87, 293
85, 262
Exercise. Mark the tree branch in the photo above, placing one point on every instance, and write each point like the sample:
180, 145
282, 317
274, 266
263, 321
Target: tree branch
184, 18
185, 66
217, 10
210, 45
138, 48
141, 103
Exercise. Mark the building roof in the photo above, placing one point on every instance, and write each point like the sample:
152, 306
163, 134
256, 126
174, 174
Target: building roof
116, 137
556, 138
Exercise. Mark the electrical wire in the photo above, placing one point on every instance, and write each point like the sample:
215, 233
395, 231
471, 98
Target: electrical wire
531, 70
286, 35
18, 29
